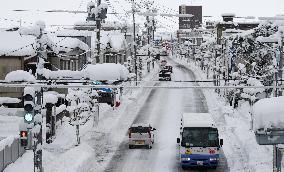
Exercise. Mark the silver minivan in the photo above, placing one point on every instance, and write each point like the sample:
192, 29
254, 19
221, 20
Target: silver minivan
141, 135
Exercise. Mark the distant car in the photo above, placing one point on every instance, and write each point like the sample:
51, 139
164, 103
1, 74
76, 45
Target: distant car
165, 75
168, 68
141, 135
163, 62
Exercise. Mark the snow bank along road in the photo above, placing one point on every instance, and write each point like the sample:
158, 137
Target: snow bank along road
162, 109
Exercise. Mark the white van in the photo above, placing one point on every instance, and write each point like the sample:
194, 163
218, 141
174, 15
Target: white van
141, 135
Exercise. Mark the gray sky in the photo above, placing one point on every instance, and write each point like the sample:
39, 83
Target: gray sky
210, 7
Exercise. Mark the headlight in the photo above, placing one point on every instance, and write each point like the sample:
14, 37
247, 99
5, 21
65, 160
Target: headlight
185, 159
213, 159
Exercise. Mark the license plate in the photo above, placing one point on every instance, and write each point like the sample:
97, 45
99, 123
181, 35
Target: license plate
199, 162
140, 142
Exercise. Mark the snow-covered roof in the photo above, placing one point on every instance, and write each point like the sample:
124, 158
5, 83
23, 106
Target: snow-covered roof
197, 120
14, 44
9, 100
64, 44
19, 75
268, 113
106, 71
140, 124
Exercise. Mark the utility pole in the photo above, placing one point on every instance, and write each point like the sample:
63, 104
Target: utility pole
280, 70
39, 93
134, 42
98, 23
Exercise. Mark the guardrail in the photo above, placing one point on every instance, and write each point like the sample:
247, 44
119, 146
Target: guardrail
10, 151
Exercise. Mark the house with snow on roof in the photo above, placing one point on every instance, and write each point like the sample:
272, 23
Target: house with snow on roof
62, 53
114, 47
14, 50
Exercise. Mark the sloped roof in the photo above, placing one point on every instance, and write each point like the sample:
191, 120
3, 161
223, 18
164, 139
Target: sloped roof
14, 44
64, 44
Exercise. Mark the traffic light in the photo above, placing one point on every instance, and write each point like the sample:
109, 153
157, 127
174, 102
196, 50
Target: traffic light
29, 99
102, 14
24, 138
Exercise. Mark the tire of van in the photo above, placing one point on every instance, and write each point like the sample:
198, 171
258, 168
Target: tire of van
184, 167
130, 146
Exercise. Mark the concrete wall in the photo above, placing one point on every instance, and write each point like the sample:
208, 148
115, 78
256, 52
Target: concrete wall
10, 154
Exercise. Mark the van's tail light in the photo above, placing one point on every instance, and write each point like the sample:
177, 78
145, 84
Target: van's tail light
129, 133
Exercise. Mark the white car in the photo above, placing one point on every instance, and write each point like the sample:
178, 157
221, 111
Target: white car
141, 135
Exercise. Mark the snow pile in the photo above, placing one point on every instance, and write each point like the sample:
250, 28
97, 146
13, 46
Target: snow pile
9, 100
269, 113
49, 98
61, 74
29, 90
15, 44
19, 75
106, 71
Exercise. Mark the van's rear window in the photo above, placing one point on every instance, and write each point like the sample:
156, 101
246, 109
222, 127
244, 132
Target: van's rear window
139, 129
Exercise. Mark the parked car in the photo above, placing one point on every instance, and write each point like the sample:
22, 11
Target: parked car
141, 135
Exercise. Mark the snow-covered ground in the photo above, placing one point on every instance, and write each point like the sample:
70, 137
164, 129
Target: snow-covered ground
105, 144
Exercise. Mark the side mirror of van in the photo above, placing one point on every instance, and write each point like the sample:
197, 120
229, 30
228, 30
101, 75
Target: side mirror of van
221, 142
178, 140
154, 129
180, 128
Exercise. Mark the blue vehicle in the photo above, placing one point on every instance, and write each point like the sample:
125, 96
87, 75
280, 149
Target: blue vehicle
199, 144
106, 95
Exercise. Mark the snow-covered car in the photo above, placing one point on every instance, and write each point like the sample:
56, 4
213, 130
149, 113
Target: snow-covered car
141, 135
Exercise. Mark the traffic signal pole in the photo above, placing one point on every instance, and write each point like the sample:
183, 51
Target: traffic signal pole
98, 23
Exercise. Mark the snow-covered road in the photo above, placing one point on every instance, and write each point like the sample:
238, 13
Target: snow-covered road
162, 109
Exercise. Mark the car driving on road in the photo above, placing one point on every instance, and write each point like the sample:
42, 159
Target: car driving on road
141, 135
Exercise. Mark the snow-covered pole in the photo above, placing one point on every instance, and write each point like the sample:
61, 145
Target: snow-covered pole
39, 93
98, 23
134, 42
280, 70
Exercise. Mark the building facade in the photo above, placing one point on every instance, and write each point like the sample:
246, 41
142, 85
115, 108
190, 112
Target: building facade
190, 22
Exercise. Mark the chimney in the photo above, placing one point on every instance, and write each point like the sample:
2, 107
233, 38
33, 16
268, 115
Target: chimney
228, 17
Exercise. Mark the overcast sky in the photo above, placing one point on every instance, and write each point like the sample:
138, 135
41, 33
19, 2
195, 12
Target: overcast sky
210, 7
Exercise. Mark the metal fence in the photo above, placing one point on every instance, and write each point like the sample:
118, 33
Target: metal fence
10, 154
